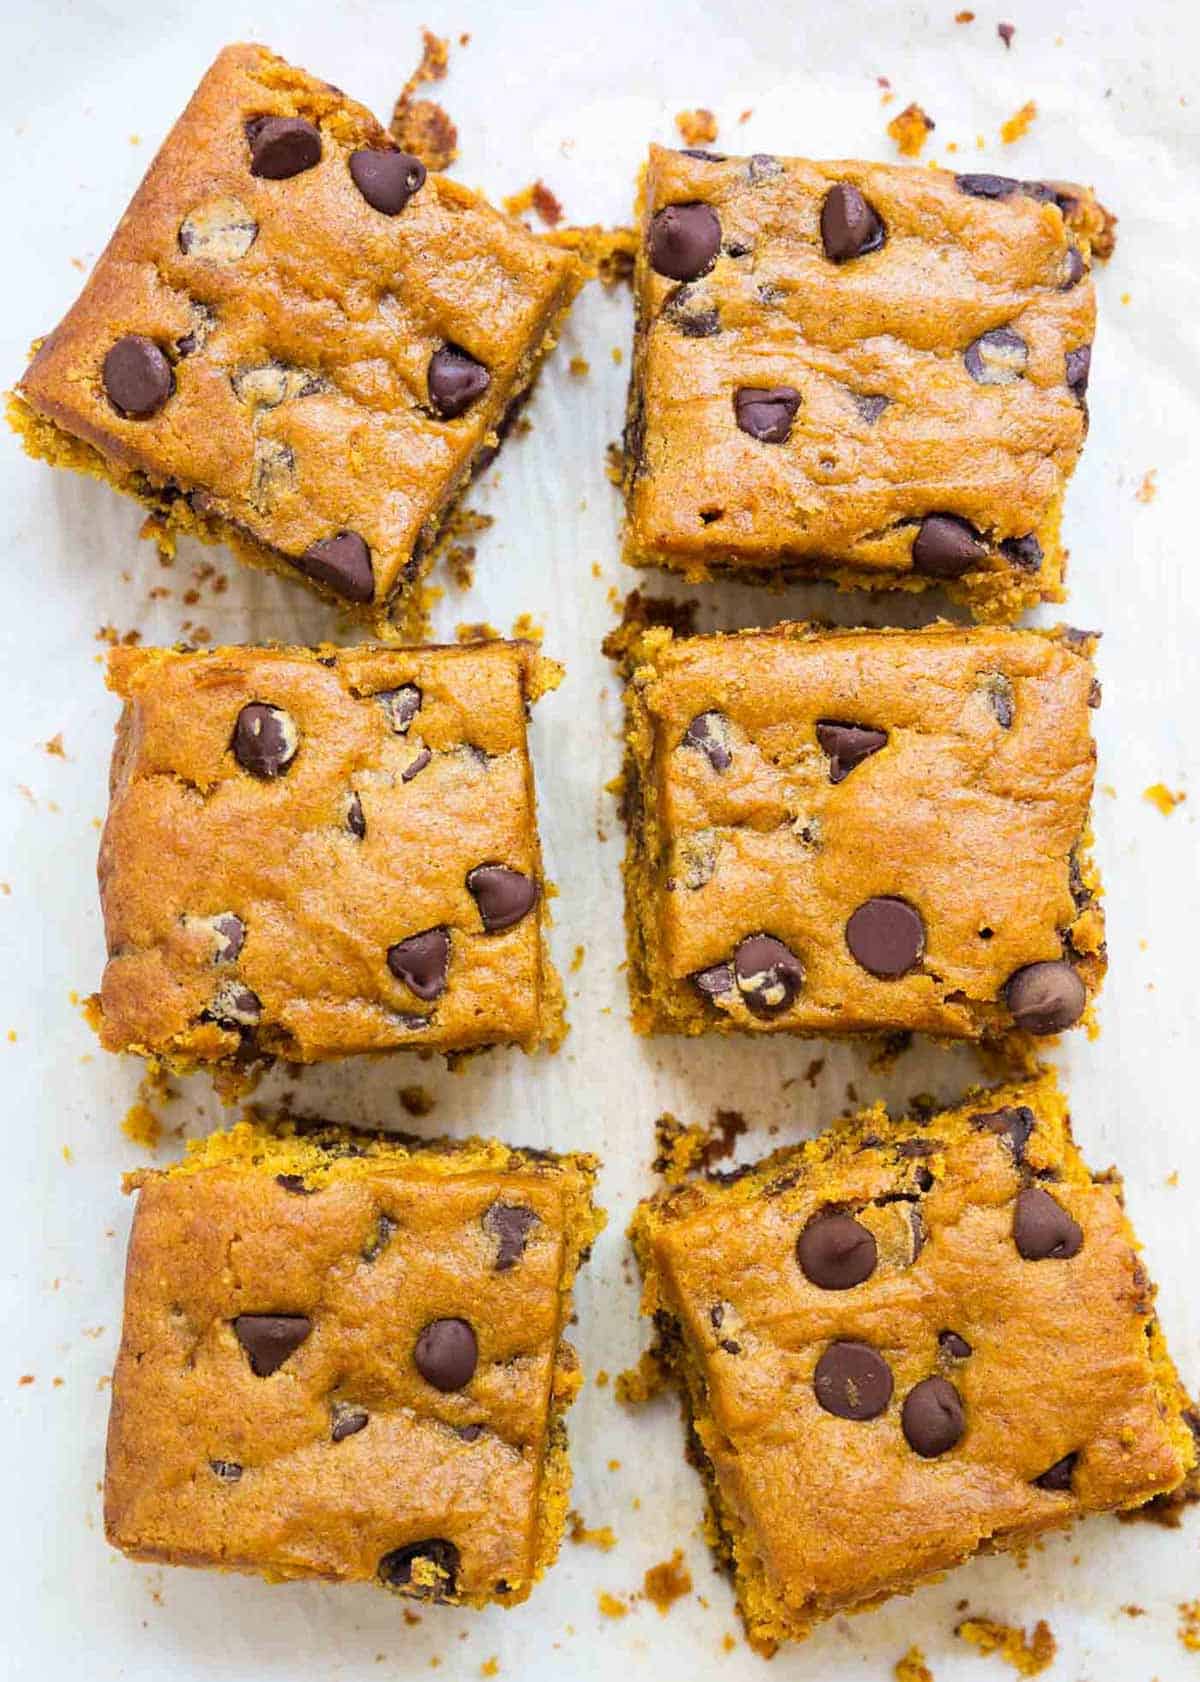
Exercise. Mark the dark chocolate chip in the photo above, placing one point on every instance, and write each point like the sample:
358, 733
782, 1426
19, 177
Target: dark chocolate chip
932, 1417
356, 821
1000, 699
853, 1381
886, 936
987, 186
836, 1252
234, 1006
694, 318
1024, 552
999, 357
766, 412
387, 180
716, 982
761, 166
282, 146
229, 1471
231, 935
137, 377
417, 765
768, 974
503, 896
342, 564
396, 1569
850, 226
1014, 1123
384, 1228
446, 1354
347, 1419
684, 240
455, 381
509, 1224
946, 547
955, 1346
1042, 1228
1079, 366
1074, 269
401, 706
869, 405
709, 734
422, 962
1045, 998
269, 1339
1058, 1476
699, 152
294, 1183
848, 745
265, 740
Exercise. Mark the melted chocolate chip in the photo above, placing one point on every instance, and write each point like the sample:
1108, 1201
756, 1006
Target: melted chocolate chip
418, 763
766, 413
230, 932
997, 358
709, 734
1014, 1124
768, 974
347, 1421
401, 706
836, 1252
1046, 997
850, 226
294, 1183
446, 1354
269, 1339
870, 406
234, 1006
946, 547
342, 564
1000, 699
422, 962
848, 745
695, 319
282, 146
1058, 1476
932, 1417
265, 740
699, 152
510, 1225
684, 240
853, 1381
1024, 552
956, 1347
137, 377
1073, 270
385, 1226
229, 1471
503, 896
1042, 1228
886, 936
987, 186
717, 982
761, 166
455, 381
428, 1570
356, 821
1079, 367
387, 179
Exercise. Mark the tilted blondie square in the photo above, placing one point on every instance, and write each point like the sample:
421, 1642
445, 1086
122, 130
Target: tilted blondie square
907, 1341
297, 342
343, 1357
313, 853
840, 832
865, 372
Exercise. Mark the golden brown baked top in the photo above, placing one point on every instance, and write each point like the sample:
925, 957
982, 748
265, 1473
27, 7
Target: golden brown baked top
342, 1358
296, 324
311, 853
830, 353
910, 1338
905, 811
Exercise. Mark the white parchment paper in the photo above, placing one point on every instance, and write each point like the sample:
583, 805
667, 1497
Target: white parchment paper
571, 93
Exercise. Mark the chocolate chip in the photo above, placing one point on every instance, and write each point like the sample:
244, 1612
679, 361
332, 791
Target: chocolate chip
509, 1224
416, 765
503, 896
342, 564
684, 240
848, 745
1024, 552
387, 180
1014, 1123
870, 406
836, 1252
1073, 269
1042, 1228
230, 933
455, 381
987, 186
401, 706
716, 982
932, 1417
956, 1347
1058, 1476
234, 1006
699, 152
218, 232
850, 227
446, 1354
385, 1226
229, 1471
265, 740
294, 1183
422, 962
1045, 998
761, 166
766, 412
468, 1433
356, 821
347, 1419
853, 1381
1079, 366
709, 734
946, 547
768, 974
203, 323
282, 146
694, 320
886, 936
269, 1339
999, 357
402, 1569
137, 377
1000, 699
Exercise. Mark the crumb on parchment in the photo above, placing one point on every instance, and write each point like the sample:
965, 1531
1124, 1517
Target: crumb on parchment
421, 126
1028, 1655
417, 1100
1189, 1625
611, 1605
667, 1582
698, 127
538, 198
1166, 799
912, 1667
1148, 489
601, 1536
910, 128
1019, 123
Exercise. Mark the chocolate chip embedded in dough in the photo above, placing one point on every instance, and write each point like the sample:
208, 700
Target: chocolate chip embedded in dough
422, 962
387, 179
137, 377
836, 1252
269, 1339
946, 547
455, 380
343, 564
1042, 1228
886, 936
998, 357
684, 240
848, 745
768, 974
281, 147
446, 1354
932, 1418
1045, 997
853, 1381
265, 740
710, 734
428, 1569
850, 225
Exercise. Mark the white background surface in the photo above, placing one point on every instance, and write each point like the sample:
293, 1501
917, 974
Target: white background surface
572, 93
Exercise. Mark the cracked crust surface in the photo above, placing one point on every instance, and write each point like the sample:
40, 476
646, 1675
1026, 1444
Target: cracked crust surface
816, 1513
890, 424
301, 409
974, 810
211, 1464
192, 837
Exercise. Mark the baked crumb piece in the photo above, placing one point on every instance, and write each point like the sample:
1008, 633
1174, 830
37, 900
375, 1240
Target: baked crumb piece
1166, 799
698, 127
667, 1582
424, 128
1028, 1655
417, 1100
912, 1667
538, 198
607, 254
638, 1385
1189, 1625
602, 1536
611, 1605
1019, 123
910, 129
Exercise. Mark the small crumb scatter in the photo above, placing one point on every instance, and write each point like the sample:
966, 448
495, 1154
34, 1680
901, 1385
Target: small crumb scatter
1134, 1611
909, 129
68, 1155
55, 748
601, 1379
1018, 124
1006, 31
417, 1100
1166, 799
480, 631
614, 1465
745, 116
12, 1036
697, 127
579, 366
490, 1667
1189, 1625
602, 1536
611, 1605
525, 628
538, 198
912, 1667
1028, 1656
1173, 1177
1148, 489
728, 1642
25, 1378
667, 1582
577, 960
618, 356
142, 1126
964, 17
